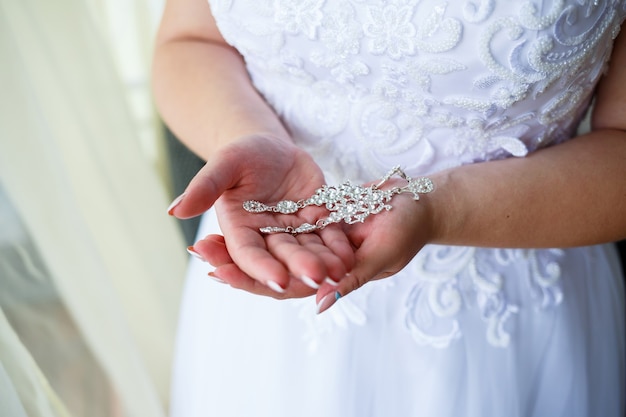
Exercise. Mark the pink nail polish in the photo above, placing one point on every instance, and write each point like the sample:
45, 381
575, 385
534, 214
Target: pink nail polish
192, 252
275, 287
309, 282
173, 204
216, 279
328, 301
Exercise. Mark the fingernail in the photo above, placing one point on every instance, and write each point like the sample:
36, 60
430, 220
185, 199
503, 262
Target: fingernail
308, 281
192, 252
275, 287
216, 279
328, 301
173, 204
331, 281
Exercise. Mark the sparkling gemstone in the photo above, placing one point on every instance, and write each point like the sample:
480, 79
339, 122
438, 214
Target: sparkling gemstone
421, 185
305, 228
254, 206
335, 217
272, 229
287, 207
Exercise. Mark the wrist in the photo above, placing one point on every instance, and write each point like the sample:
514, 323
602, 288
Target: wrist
440, 209
228, 135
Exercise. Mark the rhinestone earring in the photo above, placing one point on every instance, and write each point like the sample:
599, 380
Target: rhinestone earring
347, 202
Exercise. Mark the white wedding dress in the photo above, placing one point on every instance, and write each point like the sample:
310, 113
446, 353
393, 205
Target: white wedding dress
364, 85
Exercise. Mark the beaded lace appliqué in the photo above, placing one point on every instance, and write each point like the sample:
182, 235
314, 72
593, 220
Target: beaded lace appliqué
453, 278
405, 73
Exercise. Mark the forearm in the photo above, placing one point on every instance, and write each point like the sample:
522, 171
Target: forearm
571, 194
204, 95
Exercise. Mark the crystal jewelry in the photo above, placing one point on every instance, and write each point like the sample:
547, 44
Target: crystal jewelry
346, 202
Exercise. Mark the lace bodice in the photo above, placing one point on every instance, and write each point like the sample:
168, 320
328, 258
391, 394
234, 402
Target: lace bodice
428, 84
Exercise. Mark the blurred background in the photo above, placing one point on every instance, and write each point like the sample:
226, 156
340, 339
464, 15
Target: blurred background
91, 266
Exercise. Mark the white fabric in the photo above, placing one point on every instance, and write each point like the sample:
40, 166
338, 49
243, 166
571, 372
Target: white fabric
93, 242
365, 85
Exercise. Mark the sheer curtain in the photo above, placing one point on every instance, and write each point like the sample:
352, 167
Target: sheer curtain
90, 265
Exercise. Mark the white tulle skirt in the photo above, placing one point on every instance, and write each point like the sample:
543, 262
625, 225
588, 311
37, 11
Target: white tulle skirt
459, 332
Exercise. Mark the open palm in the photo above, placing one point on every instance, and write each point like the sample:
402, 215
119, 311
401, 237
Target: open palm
269, 170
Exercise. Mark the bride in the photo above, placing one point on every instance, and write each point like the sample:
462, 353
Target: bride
495, 293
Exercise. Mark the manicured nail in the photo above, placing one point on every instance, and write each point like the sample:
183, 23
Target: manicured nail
216, 279
192, 252
328, 301
176, 202
331, 281
308, 281
275, 287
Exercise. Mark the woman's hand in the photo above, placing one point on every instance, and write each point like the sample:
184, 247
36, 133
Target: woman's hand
383, 244
266, 169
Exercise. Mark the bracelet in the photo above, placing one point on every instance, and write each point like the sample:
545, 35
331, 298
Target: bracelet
347, 202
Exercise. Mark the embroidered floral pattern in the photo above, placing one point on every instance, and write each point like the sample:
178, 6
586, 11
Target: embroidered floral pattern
390, 30
451, 278
299, 16
341, 35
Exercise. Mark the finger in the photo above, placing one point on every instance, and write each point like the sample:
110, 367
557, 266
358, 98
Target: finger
336, 240
254, 259
301, 261
235, 277
306, 257
334, 264
212, 249
218, 175
371, 264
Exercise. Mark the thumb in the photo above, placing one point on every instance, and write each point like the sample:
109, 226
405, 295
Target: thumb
220, 173
370, 265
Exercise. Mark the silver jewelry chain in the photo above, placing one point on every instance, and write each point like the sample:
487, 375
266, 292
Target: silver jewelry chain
347, 202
